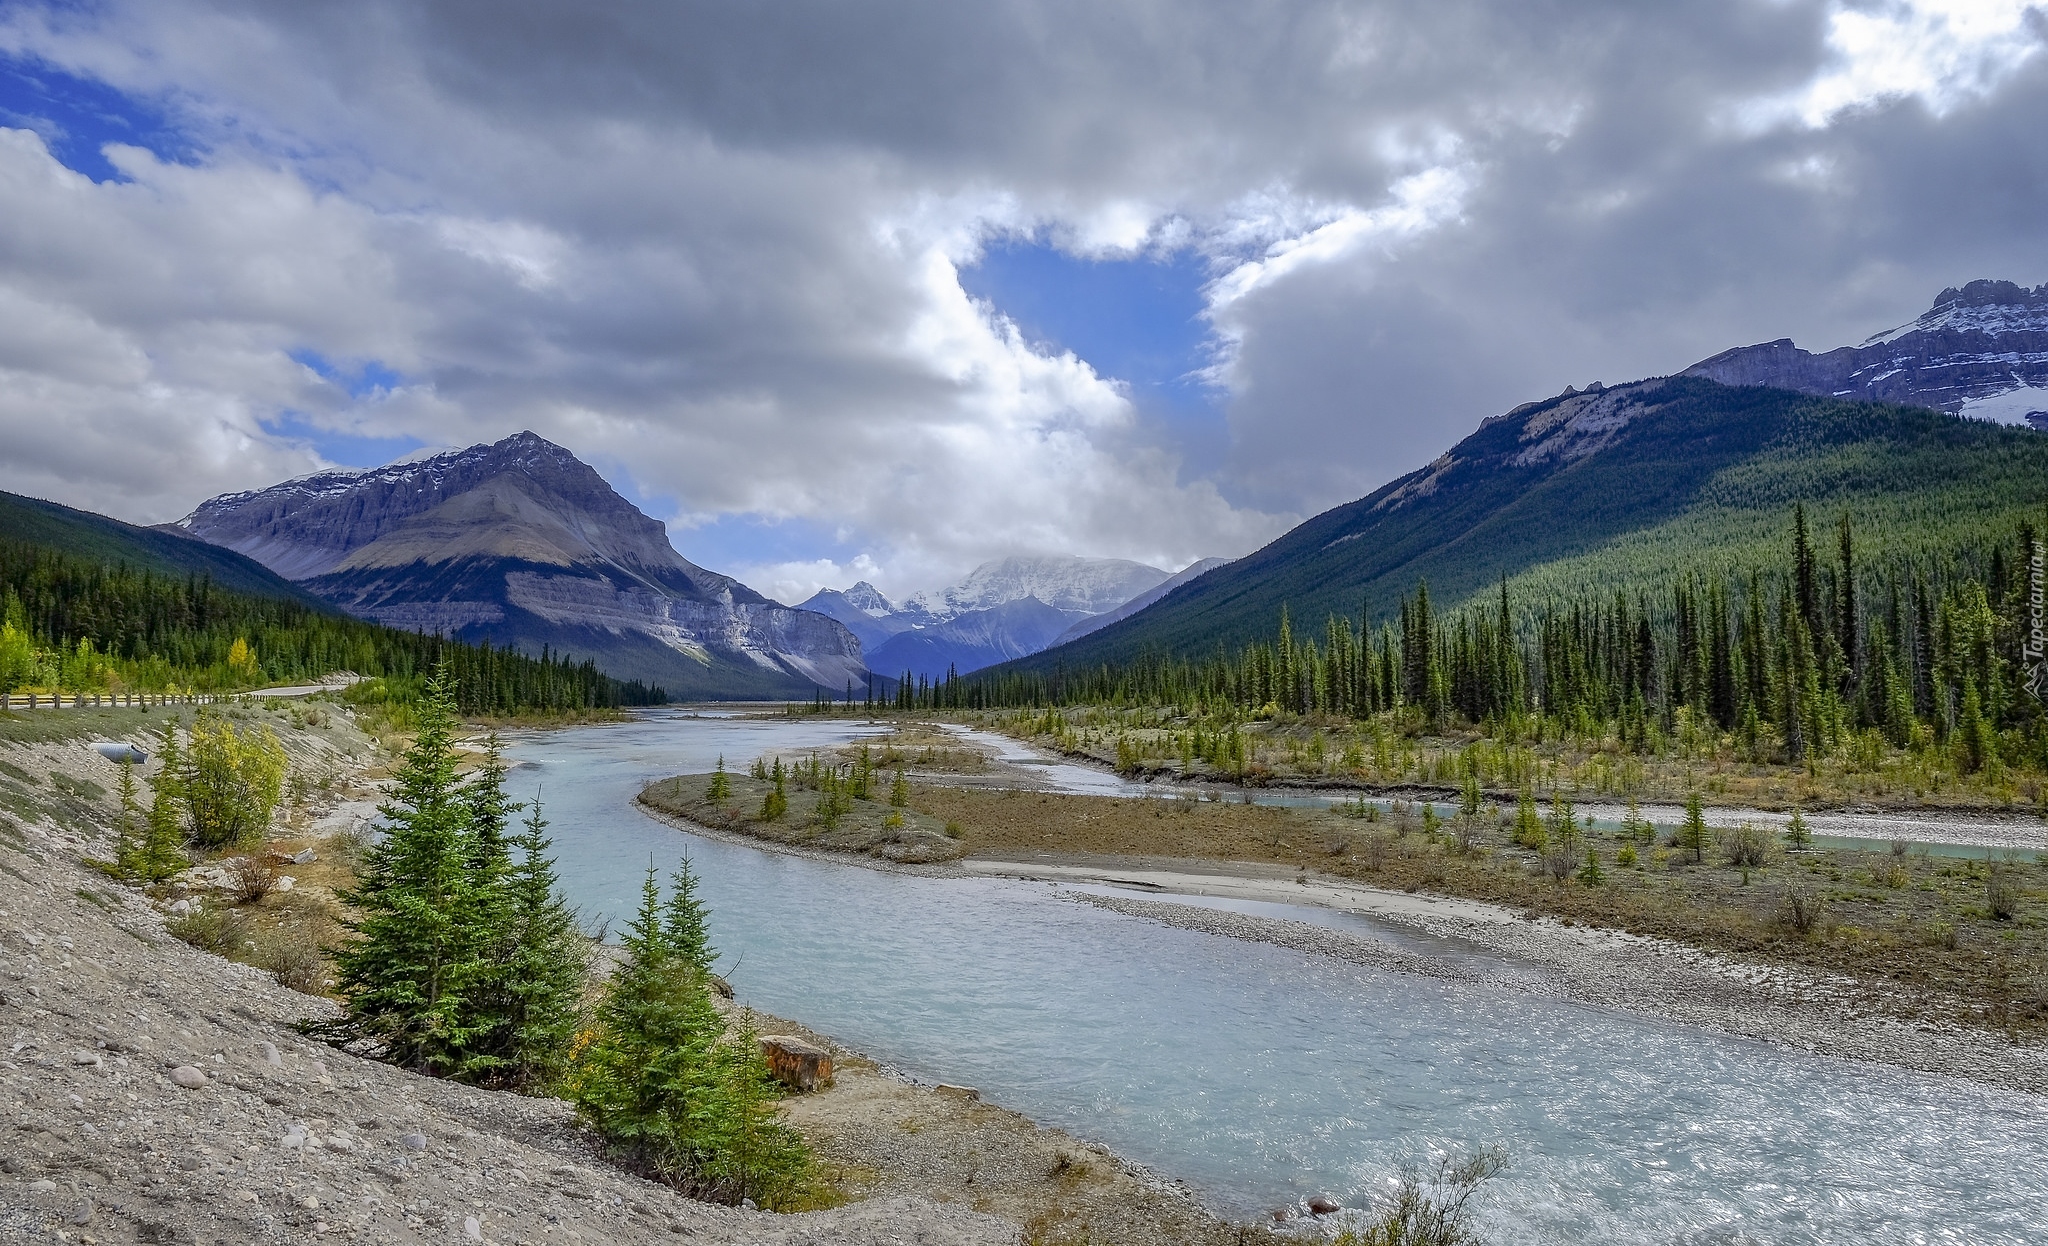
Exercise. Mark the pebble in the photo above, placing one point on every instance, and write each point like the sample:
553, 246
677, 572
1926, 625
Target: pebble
286, 882
81, 1215
414, 1142
188, 1077
270, 1056
341, 1142
473, 1229
310, 1203
82, 1056
1323, 1205
44, 1186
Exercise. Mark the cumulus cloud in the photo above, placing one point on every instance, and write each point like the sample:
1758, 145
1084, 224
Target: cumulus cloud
718, 254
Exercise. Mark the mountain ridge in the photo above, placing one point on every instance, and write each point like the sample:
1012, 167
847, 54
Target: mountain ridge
1593, 487
521, 542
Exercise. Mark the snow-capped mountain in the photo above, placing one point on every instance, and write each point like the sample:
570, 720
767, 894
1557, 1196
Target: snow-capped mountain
1062, 581
1980, 351
1095, 622
521, 543
1005, 608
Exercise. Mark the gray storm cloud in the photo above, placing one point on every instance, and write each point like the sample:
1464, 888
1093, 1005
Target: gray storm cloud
713, 247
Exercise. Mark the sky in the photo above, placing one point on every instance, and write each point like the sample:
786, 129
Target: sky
881, 291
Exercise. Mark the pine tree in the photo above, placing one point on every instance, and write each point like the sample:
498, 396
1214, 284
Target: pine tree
1528, 825
721, 786
131, 837
163, 840
1796, 833
899, 791
685, 926
485, 930
545, 961
662, 1083
1692, 836
402, 977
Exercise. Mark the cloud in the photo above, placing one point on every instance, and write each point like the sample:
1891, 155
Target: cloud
718, 254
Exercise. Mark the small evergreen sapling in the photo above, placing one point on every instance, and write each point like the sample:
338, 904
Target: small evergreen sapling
721, 786
1796, 832
1692, 835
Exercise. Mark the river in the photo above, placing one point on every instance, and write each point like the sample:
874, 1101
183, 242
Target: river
1262, 1075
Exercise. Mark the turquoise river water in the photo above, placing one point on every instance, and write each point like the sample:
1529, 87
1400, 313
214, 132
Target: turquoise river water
1262, 1075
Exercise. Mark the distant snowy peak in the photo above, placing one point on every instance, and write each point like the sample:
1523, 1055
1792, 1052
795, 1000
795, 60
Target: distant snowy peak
1981, 351
867, 599
1989, 307
1062, 581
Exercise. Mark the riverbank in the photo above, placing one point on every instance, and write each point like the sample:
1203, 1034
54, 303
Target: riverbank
1901, 962
279, 1138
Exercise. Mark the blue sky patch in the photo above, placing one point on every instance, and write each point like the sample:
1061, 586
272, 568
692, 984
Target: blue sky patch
1139, 320
346, 449
76, 117
360, 379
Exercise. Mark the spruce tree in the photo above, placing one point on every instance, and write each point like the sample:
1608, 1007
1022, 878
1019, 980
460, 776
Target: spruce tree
402, 977
1692, 836
645, 1081
163, 839
545, 964
130, 828
486, 987
685, 925
721, 786
1796, 833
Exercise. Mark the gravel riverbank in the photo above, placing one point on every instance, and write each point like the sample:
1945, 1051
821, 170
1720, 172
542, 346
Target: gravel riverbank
1824, 1014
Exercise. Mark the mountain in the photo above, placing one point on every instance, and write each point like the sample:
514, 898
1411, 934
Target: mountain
978, 638
1604, 491
989, 607
521, 543
866, 613
1096, 622
109, 542
1981, 351
1062, 581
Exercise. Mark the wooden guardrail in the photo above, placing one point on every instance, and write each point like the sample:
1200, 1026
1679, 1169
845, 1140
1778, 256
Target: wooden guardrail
102, 700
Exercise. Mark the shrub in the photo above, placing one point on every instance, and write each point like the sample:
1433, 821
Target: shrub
231, 782
251, 878
1802, 905
1745, 845
2002, 891
296, 964
1432, 1210
224, 932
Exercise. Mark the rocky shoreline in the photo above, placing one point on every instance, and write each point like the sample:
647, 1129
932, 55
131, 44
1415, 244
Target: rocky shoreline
1655, 978
157, 1093
1824, 1014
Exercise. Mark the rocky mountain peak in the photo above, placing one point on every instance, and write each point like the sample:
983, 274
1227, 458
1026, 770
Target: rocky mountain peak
1980, 351
868, 599
523, 497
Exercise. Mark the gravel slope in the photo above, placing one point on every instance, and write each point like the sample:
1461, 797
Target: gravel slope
104, 1020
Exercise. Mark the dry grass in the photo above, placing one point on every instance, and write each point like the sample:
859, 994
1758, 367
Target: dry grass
865, 827
1973, 931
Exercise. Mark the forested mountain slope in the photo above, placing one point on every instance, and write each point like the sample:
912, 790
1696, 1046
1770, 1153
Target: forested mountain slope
83, 534
1602, 490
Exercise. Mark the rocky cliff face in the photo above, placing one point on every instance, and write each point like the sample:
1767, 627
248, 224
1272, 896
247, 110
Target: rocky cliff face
522, 543
1981, 351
